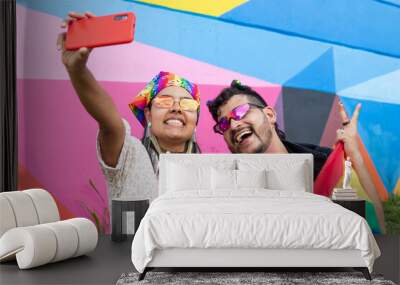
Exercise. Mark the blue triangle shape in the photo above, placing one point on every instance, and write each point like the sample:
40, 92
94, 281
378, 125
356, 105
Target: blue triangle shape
319, 75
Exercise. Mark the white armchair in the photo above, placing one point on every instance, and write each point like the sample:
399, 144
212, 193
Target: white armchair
31, 230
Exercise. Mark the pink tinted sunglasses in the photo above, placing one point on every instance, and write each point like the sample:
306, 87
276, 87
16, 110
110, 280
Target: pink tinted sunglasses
237, 114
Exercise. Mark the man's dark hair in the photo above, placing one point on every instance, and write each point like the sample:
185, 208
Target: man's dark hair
235, 89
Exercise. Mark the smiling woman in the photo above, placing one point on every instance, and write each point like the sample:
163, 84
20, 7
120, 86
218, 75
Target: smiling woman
168, 108
173, 129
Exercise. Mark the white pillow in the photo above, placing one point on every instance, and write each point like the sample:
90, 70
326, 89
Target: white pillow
251, 178
187, 177
293, 180
281, 174
223, 179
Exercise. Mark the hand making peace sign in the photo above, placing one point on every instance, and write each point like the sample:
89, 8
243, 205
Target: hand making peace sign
348, 134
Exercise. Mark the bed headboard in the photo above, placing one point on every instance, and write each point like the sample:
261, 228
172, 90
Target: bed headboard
280, 162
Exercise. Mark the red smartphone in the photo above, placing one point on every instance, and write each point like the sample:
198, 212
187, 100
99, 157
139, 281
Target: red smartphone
101, 31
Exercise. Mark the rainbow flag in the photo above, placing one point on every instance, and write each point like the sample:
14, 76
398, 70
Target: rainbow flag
332, 174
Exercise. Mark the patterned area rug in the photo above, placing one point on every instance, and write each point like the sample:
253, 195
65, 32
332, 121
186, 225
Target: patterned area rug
242, 278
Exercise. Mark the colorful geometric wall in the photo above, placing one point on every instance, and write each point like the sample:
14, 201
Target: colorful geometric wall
302, 56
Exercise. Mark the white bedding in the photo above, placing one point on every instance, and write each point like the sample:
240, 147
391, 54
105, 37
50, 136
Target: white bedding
251, 218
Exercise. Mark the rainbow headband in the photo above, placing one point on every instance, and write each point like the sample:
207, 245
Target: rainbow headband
158, 83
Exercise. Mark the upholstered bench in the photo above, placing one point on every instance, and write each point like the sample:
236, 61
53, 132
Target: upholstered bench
31, 230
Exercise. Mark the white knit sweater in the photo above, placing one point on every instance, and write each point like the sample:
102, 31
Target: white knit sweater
133, 176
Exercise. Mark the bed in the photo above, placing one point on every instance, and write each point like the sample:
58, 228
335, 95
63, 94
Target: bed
245, 211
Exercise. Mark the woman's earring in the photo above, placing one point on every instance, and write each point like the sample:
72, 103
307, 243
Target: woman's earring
147, 129
194, 135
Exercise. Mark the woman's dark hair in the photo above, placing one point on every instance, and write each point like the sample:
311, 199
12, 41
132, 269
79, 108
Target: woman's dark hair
237, 88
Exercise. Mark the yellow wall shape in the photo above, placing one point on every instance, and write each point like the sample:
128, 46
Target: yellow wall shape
355, 184
397, 188
214, 8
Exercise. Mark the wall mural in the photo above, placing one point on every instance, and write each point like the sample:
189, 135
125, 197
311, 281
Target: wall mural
303, 57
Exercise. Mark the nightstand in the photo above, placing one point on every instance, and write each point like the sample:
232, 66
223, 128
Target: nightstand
120, 207
357, 206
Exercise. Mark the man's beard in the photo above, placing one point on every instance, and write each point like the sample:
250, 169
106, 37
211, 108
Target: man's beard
261, 147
